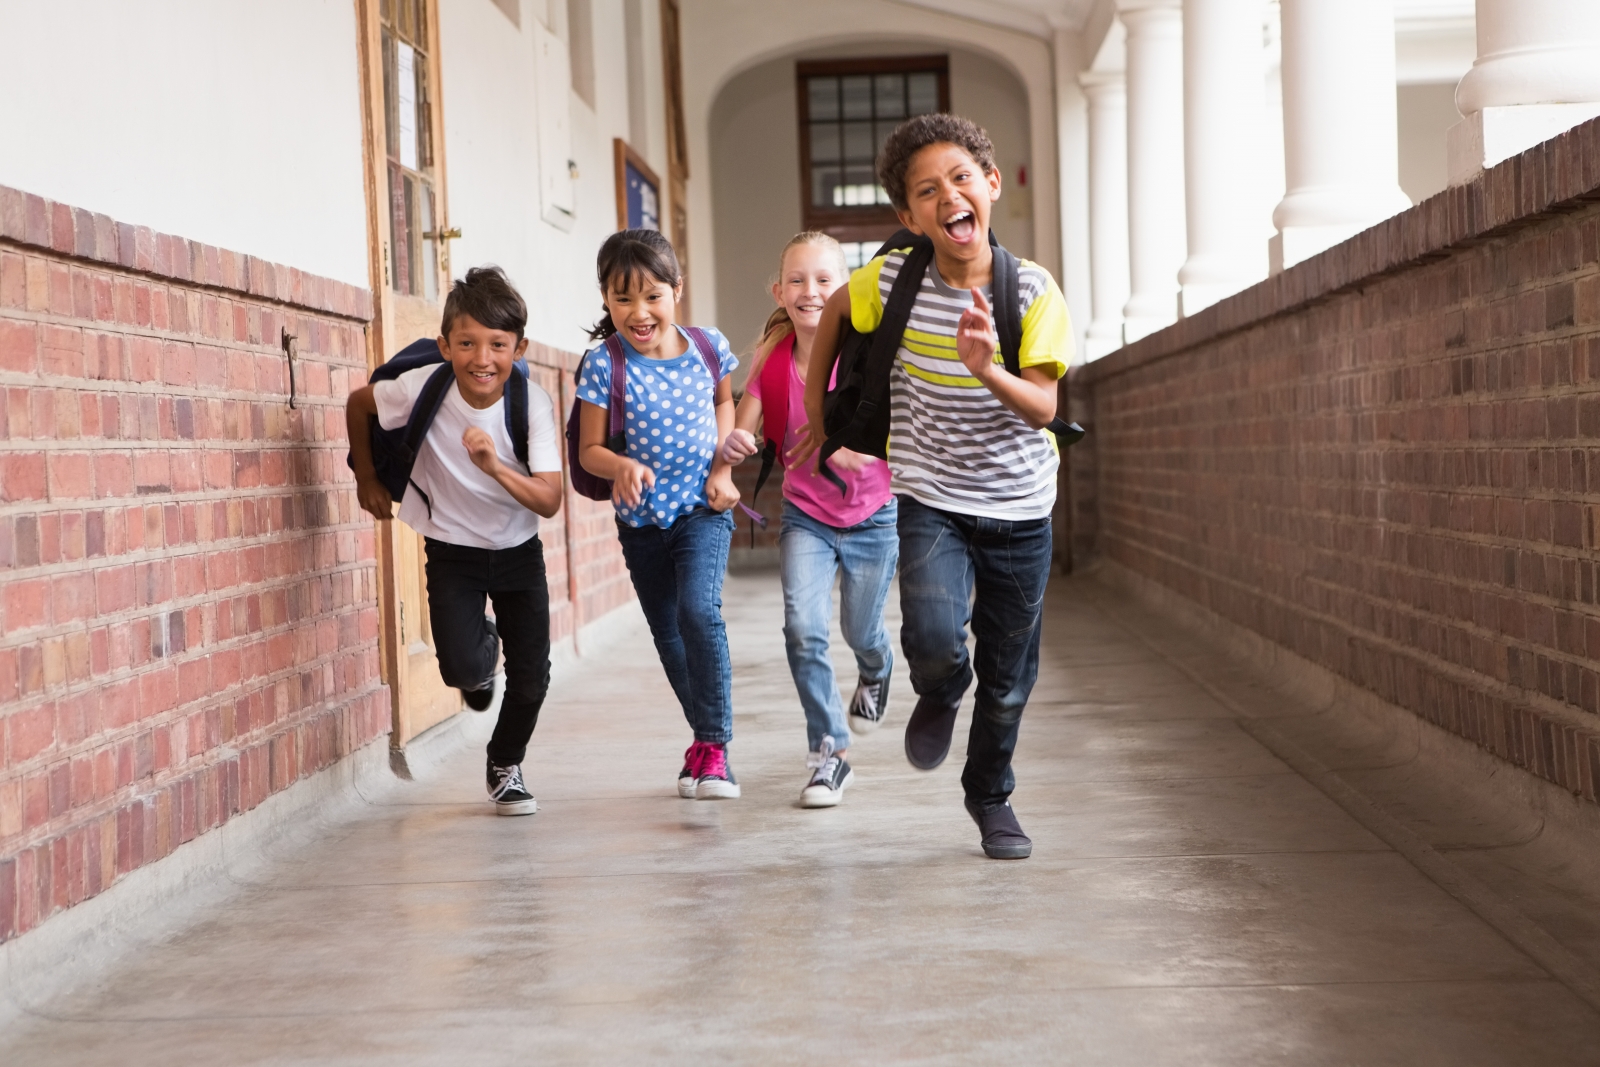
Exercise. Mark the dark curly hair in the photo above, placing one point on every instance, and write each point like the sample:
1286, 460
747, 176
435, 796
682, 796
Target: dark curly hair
628, 256
915, 134
487, 295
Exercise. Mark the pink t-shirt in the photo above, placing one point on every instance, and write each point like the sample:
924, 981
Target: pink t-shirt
866, 490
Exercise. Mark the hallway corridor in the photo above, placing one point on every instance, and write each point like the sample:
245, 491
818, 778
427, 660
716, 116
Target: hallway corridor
1192, 899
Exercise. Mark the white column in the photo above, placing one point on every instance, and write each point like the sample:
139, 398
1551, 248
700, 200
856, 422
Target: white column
1537, 75
1224, 104
1157, 242
1108, 209
1340, 132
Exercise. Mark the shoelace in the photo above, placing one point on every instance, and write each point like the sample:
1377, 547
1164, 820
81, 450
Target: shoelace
693, 757
865, 702
713, 762
822, 761
510, 778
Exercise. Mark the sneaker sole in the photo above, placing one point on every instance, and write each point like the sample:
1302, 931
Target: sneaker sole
823, 797
686, 788
517, 807
1008, 852
860, 724
716, 789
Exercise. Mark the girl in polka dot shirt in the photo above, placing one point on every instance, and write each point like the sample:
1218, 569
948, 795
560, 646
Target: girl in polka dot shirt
671, 491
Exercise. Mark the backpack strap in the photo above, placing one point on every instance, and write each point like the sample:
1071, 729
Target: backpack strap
1007, 306
421, 418
516, 397
885, 344
708, 352
616, 439
774, 408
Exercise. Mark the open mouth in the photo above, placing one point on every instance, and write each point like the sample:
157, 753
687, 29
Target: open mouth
484, 377
961, 226
809, 309
642, 334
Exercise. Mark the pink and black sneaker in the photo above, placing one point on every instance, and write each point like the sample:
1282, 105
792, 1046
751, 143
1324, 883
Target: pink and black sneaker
689, 777
716, 780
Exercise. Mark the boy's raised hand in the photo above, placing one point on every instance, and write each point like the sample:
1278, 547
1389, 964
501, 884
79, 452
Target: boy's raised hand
630, 483
480, 446
976, 339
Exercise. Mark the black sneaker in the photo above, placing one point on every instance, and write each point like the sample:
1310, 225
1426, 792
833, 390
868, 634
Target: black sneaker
928, 733
1003, 838
510, 796
484, 699
830, 776
868, 705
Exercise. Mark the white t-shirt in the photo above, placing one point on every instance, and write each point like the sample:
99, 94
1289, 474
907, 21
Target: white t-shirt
469, 507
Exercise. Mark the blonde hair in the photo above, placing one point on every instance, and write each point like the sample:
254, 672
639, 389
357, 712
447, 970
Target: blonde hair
778, 324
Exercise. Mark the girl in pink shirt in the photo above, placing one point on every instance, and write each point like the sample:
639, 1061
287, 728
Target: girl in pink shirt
824, 534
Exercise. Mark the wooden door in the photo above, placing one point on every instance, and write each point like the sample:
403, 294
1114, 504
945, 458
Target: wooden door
409, 266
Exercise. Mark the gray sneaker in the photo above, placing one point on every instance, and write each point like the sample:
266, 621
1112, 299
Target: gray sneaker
510, 796
830, 776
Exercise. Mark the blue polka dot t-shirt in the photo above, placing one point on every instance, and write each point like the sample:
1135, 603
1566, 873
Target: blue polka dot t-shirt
671, 423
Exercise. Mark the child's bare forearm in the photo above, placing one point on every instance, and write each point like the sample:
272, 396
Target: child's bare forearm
1031, 397
358, 411
748, 414
725, 422
539, 492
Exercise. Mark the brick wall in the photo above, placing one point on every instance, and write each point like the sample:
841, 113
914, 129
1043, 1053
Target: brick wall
188, 615
1386, 460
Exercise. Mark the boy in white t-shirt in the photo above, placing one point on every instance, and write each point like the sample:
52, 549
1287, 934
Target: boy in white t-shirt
478, 512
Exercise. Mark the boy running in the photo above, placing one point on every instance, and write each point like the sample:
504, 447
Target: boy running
479, 515
970, 461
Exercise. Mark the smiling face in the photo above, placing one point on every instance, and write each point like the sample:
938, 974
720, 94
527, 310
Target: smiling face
481, 357
644, 312
811, 272
948, 197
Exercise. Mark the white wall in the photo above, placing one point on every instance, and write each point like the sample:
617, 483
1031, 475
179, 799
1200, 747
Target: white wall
236, 124
492, 159
1426, 113
755, 169
722, 38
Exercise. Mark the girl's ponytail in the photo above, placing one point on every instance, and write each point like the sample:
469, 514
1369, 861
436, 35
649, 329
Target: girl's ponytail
628, 256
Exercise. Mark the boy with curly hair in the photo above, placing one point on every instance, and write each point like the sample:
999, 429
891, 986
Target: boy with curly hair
970, 461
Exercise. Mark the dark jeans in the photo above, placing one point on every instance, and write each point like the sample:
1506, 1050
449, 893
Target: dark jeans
944, 559
677, 573
459, 581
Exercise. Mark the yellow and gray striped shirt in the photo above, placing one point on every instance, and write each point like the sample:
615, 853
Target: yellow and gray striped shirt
952, 444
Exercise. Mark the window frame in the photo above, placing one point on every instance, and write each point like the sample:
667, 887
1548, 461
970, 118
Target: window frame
865, 222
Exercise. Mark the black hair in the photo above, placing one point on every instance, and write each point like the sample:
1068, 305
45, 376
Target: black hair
915, 134
628, 256
488, 296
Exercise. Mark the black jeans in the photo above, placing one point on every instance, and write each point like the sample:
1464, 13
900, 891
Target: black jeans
459, 581
957, 570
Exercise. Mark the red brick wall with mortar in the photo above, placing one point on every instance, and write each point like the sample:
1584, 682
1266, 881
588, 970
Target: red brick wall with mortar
188, 616
1386, 460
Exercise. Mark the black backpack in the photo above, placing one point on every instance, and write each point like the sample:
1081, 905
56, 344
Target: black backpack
856, 411
394, 452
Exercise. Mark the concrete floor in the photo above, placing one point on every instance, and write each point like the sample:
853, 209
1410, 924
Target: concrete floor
1192, 899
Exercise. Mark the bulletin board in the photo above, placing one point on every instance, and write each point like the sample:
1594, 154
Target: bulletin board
638, 190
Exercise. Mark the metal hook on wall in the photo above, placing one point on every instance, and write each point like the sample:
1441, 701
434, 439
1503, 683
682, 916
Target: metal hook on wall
291, 351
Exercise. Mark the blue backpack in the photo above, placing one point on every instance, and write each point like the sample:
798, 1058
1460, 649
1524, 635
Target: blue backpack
394, 452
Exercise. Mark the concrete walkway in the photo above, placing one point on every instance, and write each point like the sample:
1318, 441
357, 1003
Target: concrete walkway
1193, 898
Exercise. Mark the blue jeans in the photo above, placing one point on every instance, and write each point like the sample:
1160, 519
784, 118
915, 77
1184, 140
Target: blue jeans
677, 573
945, 559
812, 553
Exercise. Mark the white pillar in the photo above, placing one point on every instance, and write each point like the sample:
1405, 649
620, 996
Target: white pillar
1108, 209
1537, 75
1340, 131
1224, 104
1157, 242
